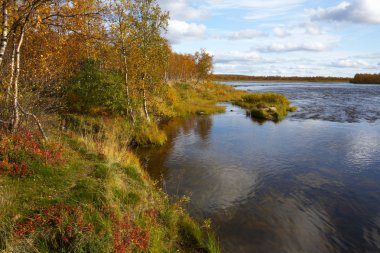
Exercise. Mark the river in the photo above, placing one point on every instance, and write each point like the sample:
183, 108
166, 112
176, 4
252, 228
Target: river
310, 183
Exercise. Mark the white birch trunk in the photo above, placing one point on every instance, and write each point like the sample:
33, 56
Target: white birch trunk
129, 105
4, 34
16, 112
145, 105
12, 72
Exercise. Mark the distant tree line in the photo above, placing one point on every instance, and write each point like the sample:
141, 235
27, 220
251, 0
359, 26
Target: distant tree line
279, 78
190, 67
367, 79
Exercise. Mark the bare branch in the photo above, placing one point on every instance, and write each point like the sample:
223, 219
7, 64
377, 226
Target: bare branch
36, 120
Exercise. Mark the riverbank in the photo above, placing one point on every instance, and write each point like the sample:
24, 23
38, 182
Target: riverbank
85, 190
80, 194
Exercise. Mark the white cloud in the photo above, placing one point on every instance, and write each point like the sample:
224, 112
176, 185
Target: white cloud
245, 34
307, 28
347, 63
357, 11
256, 9
373, 56
310, 28
292, 47
179, 30
257, 4
183, 10
237, 56
281, 32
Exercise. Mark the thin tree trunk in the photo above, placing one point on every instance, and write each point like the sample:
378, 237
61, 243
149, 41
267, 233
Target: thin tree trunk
12, 71
4, 34
125, 63
129, 105
16, 112
145, 104
15, 78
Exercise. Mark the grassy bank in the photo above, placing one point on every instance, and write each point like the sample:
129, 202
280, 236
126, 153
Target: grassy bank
85, 191
201, 98
81, 194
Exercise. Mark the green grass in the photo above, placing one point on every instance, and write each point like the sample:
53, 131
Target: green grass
266, 106
99, 194
185, 99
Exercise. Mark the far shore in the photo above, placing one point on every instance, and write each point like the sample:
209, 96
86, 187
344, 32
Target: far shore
293, 79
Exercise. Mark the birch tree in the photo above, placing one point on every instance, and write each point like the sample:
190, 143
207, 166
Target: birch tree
204, 63
122, 41
148, 48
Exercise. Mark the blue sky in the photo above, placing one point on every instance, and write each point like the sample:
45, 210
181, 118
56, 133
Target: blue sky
280, 37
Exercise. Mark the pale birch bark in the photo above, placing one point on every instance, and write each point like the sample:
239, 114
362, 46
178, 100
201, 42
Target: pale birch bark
145, 100
9, 93
16, 112
145, 106
4, 34
129, 105
16, 105
125, 63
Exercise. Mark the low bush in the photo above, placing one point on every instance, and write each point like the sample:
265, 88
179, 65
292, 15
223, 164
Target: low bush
56, 228
20, 150
95, 91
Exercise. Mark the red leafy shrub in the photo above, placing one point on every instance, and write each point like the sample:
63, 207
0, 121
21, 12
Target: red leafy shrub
19, 148
13, 169
62, 224
128, 235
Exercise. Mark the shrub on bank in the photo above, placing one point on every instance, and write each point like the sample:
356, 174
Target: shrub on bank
93, 90
21, 150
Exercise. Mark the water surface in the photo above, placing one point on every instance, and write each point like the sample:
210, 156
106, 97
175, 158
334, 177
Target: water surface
310, 183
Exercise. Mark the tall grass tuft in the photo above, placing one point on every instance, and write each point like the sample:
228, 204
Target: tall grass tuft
266, 106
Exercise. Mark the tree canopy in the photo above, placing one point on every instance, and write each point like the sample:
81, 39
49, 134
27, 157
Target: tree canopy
87, 56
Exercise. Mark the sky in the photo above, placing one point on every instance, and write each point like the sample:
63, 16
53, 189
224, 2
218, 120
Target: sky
279, 37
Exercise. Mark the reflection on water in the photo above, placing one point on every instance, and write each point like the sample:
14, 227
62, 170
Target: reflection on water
299, 186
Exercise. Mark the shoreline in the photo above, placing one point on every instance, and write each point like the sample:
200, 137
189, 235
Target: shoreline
92, 179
